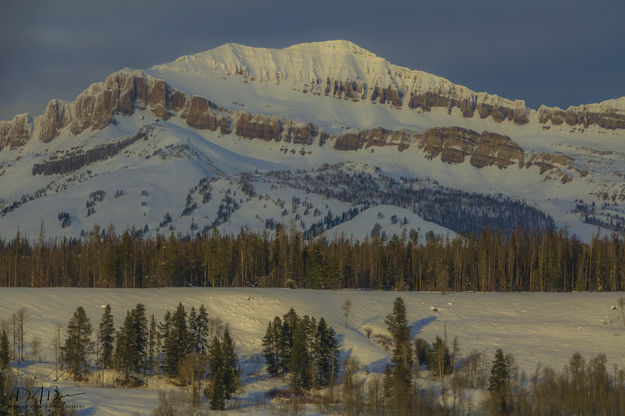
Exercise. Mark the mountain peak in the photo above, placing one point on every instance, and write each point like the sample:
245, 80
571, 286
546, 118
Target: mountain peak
333, 45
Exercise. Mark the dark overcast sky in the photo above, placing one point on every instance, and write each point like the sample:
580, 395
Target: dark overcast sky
559, 52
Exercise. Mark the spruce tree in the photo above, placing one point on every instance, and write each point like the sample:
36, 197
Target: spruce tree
139, 339
216, 368
177, 343
218, 394
199, 329
230, 359
152, 345
498, 382
289, 323
123, 346
163, 336
438, 359
270, 351
202, 329
107, 337
78, 344
5, 351
397, 325
300, 360
326, 354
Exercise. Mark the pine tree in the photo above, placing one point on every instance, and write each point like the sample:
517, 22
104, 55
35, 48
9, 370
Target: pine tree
163, 336
397, 325
199, 329
107, 337
216, 367
499, 373
231, 371
201, 335
78, 344
289, 323
123, 346
300, 360
270, 350
177, 343
218, 394
5, 351
326, 354
139, 339
438, 359
498, 382
152, 345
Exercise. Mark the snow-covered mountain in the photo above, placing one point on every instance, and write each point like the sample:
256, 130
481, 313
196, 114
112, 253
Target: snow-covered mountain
321, 136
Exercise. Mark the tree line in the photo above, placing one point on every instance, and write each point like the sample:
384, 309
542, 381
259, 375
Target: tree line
489, 261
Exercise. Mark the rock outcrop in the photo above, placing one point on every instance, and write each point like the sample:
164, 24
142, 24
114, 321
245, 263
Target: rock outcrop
258, 126
78, 159
373, 137
15, 133
455, 144
122, 93
608, 114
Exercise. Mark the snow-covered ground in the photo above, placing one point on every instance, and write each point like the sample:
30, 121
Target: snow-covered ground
537, 328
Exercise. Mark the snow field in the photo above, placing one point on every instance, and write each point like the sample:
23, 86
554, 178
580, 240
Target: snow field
544, 328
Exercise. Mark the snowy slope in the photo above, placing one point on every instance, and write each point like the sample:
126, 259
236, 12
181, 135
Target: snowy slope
535, 327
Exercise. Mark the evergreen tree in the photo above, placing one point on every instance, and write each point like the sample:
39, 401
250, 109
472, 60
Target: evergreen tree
326, 354
498, 382
107, 337
438, 359
139, 339
163, 336
270, 350
78, 344
199, 329
289, 323
216, 368
230, 364
397, 325
5, 351
177, 343
300, 360
201, 335
152, 345
218, 394
123, 347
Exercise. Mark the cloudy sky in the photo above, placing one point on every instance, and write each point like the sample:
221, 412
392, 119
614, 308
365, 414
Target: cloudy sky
559, 52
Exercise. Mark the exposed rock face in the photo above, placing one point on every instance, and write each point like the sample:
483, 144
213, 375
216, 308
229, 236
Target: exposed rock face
343, 89
389, 94
609, 114
95, 108
200, 114
454, 144
56, 116
15, 133
300, 134
78, 159
258, 126
374, 137
157, 99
